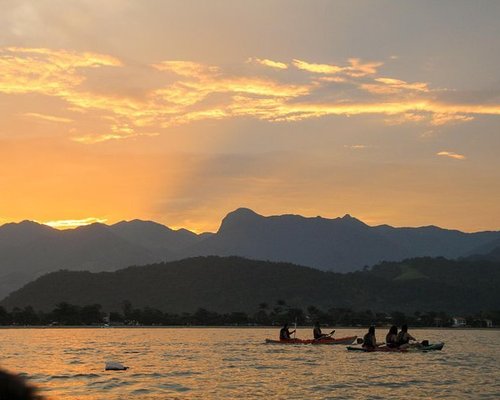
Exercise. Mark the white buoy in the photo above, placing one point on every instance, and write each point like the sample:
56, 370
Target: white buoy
114, 366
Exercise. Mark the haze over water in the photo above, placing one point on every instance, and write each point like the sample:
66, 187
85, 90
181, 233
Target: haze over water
228, 363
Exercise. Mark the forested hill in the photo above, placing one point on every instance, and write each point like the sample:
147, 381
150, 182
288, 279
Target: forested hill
237, 284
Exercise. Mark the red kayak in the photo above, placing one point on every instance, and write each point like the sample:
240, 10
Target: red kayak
331, 341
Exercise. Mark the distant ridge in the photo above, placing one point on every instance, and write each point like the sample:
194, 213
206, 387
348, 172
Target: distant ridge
29, 249
340, 244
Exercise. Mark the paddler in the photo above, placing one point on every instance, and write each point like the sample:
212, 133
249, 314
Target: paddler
285, 334
318, 334
391, 339
403, 338
369, 340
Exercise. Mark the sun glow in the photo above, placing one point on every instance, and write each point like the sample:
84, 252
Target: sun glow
74, 223
167, 133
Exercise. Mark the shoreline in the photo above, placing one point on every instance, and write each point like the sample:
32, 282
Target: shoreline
413, 328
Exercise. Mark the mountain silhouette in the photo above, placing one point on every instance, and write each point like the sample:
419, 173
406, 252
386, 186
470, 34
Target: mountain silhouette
29, 249
488, 252
158, 239
339, 244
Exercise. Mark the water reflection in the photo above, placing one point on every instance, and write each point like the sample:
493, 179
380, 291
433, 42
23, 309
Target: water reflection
230, 363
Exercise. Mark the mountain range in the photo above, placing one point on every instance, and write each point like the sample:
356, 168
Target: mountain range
29, 249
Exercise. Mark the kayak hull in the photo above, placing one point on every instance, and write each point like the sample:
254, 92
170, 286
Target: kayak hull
430, 347
327, 341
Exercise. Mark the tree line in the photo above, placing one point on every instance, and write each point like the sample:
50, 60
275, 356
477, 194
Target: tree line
66, 314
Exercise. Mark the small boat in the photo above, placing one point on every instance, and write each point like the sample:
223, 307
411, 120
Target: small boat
411, 349
328, 341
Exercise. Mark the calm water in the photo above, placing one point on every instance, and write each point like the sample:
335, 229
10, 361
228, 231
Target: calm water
234, 363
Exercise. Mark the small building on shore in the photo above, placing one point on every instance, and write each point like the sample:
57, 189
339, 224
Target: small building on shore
458, 322
488, 323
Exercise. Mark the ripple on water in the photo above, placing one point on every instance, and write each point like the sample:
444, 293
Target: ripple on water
141, 391
145, 375
74, 376
259, 367
174, 387
78, 350
182, 373
213, 364
115, 383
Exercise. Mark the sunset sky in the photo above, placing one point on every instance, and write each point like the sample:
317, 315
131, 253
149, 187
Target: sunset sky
181, 111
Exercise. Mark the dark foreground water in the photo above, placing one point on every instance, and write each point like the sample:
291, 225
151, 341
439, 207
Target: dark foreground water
211, 363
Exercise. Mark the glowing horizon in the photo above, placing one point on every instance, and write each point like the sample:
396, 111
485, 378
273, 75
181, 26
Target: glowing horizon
73, 223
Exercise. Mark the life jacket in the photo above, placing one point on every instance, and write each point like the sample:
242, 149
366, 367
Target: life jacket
317, 333
391, 340
403, 338
284, 334
369, 340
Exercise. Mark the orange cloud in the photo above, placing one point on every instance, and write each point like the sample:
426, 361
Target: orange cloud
50, 118
180, 94
359, 68
317, 68
186, 68
445, 118
407, 117
356, 69
98, 138
451, 154
387, 86
400, 84
46, 71
335, 79
269, 63
255, 86
197, 92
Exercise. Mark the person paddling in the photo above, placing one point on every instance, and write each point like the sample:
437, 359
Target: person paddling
391, 339
403, 338
320, 335
369, 340
285, 334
